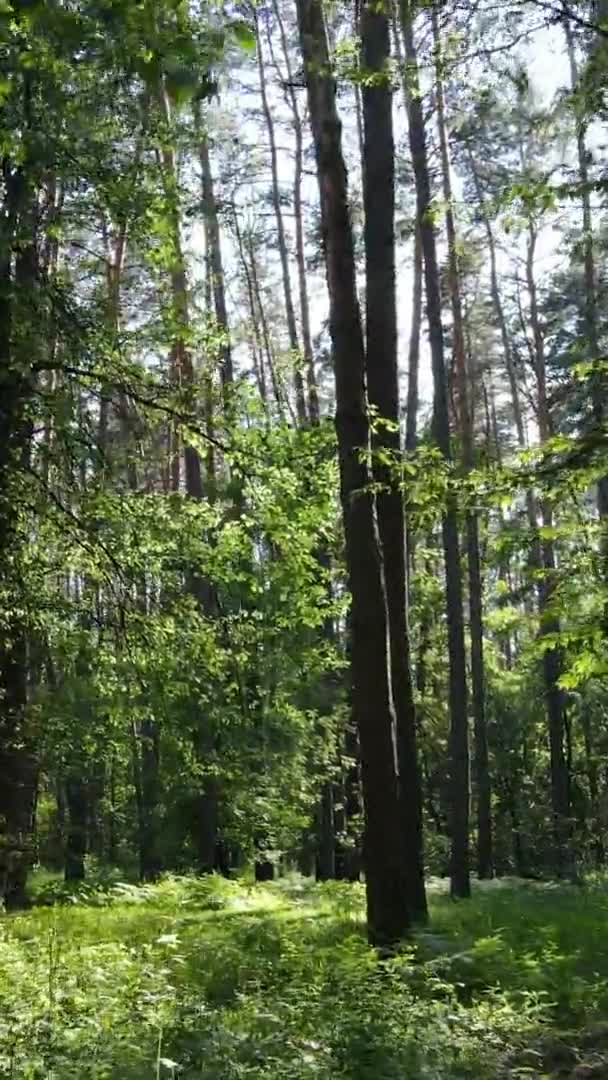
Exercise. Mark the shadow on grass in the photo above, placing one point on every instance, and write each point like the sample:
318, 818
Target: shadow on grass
203, 979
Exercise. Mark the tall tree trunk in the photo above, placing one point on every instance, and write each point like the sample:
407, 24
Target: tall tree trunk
57, 861
198, 586
18, 766
146, 736
142, 838
258, 344
383, 391
112, 815
531, 506
281, 237
214, 258
549, 622
459, 735
413, 396
326, 835
292, 99
281, 396
95, 797
326, 827
76, 834
258, 315
595, 830
384, 848
598, 382
411, 417
464, 412
149, 771
356, 83
208, 383
497, 304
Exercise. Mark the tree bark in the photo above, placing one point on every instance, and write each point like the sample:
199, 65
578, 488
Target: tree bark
258, 345
113, 815
198, 586
76, 834
459, 735
281, 237
549, 622
258, 317
465, 419
292, 98
531, 505
326, 835
215, 261
411, 416
95, 795
149, 743
598, 382
497, 304
18, 765
411, 420
384, 849
383, 392
595, 830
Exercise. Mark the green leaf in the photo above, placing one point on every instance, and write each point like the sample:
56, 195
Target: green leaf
244, 36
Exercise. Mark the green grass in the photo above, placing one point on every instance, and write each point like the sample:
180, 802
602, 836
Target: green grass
204, 978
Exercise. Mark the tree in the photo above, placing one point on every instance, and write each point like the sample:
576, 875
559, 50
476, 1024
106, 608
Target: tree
384, 849
281, 236
383, 394
466, 432
459, 745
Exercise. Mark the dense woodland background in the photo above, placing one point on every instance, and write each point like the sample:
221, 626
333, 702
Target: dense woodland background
222, 226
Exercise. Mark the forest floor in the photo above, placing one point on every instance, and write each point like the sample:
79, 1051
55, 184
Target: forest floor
217, 980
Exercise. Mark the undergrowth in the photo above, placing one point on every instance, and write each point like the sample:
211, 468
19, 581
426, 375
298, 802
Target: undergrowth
219, 980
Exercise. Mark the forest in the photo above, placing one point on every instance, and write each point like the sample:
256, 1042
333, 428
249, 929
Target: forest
303, 539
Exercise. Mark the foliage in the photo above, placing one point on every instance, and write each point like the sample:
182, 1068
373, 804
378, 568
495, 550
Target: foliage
208, 978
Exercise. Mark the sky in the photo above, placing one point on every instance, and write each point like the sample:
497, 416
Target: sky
547, 65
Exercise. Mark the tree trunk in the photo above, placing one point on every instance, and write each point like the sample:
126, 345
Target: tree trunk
459, 735
149, 742
549, 622
595, 829
215, 261
76, 836
531, 507
259, 345
139, 806
519, 859
411, 421
18, 766
281, 237
326, 835
258, 315
598, 383
384, 849
95, 795
383, 391
292, 98
113, 816
411, 418
464, 413
498, 308
57, 861
198, 586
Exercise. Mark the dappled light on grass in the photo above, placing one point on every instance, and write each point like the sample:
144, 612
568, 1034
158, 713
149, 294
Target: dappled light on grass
227, 980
